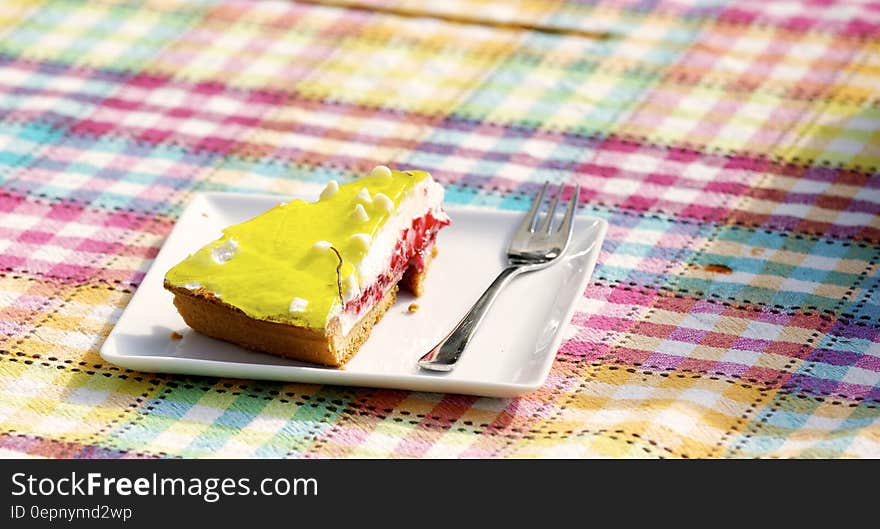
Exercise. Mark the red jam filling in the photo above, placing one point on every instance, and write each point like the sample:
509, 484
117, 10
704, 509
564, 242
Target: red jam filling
413, 248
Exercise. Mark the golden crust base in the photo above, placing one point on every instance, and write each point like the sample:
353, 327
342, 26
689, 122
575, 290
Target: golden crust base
208, 315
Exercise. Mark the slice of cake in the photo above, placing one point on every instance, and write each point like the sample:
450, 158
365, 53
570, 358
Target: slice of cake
308, 280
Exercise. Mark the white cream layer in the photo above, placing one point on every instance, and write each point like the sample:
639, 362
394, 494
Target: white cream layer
424, 197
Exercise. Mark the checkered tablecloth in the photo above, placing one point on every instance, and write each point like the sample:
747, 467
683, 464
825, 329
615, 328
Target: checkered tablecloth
732, 146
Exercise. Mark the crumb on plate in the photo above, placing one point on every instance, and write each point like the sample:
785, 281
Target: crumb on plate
176, 335
413, 307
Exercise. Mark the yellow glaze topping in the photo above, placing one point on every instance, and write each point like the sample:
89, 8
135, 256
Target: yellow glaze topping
281, 265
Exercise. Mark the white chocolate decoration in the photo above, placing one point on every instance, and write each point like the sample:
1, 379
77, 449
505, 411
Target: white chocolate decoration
361, 241
360, 214
381, 170
350, 288
298, 305
384, 203
224, 252
322, 246
330, 190
364, 196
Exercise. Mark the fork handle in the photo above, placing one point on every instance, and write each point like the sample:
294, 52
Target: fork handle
446, 353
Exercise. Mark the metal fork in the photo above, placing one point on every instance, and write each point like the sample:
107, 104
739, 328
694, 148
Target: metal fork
530, 249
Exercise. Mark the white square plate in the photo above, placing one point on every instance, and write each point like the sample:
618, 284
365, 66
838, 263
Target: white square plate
511, 353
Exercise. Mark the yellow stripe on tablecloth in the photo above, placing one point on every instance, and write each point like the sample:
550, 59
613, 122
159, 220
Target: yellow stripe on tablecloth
73, 329
66, 403
647, 408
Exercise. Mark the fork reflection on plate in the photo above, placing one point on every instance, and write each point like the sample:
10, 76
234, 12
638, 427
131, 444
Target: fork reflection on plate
532, 247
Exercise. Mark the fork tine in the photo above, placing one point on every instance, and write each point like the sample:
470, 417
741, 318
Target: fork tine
551, 213
568, 219
528, 223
